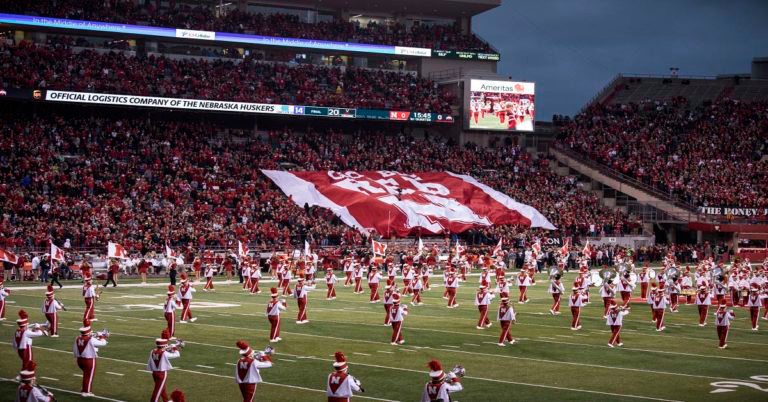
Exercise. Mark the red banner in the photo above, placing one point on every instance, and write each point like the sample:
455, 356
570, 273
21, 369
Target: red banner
393, 203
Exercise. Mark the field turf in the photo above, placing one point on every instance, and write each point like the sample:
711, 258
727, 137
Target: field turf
549, 362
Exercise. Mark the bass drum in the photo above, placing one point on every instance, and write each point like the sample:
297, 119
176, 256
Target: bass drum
596, 279
652, 274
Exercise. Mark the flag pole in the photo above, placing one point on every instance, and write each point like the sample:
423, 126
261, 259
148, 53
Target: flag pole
389, 216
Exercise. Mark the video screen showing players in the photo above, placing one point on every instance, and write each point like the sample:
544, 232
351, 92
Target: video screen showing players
501, 105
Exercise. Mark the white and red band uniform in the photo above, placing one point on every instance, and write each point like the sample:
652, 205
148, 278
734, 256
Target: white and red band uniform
340, 387
723, 319
575, 302
89, 295
22, 342
85, 350
330, 282
51, 308
4, 293
274, 307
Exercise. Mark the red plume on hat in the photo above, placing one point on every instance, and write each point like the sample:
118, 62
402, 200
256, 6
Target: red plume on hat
86, 328
435, 370
273, 292
166, 334
245, 349
341, 361
171, 289
178, 396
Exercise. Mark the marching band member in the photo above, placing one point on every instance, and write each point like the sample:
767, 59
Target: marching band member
341, 385
397, 315
743, 289
685, 285
659, 305
506, 317
358, 276
208, 278
733, 289
245, 272
765, 300
703, 301
309, 275
723, 319
300, 294
89, 296
285, 282
452, 285
197, 266
416, 287
228, 265
408, 280
523, 281
482, 301
446, 272
607, 293
485, 277
625, 289
556, 289
185, 294
721, 288
330, 282
28, 390
51, 308
441, 385
391, 271
348, 268
144, 266
644, 277
4, 293
586, 283
674, 290
255, 277
169, 309
389, 297
425, 273
575, 301
502, 288
754, 303
22, 338
374, 276
247, 373
615, 319
159, 364
86, 351
274, 307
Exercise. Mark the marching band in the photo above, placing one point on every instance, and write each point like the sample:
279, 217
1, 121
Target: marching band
740, 285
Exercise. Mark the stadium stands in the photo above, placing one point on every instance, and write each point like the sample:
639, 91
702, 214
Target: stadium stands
140, 179
283, 25
710, 155
37, 66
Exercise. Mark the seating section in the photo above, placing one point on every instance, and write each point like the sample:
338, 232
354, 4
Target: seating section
282, 25
139, 180
30, 65
710, 155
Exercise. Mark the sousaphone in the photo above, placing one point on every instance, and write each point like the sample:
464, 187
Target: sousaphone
555, 273
673, 274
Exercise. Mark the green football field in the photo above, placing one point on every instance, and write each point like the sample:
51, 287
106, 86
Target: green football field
549, 362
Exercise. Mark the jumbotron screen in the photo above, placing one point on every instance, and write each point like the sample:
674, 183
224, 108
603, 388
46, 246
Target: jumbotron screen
501, 105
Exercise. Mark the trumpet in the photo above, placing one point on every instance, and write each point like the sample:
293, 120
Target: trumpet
104, 333
458, 371
178, 344
359, 384
268, 351
43, 327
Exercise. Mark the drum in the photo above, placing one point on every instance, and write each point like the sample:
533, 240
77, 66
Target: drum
596, 279
688, 292
744, 293
652, 274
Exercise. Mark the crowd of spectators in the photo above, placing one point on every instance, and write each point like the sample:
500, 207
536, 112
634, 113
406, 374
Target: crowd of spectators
709, 156
141, 180
442, 37
29, 65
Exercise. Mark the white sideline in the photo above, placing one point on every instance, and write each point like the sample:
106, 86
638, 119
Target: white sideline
68, 391
193, 372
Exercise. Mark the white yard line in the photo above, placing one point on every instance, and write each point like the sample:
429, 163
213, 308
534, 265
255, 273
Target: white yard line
113, 373
200, 365
50, 378
76, 375
361, 354
66, 391
384, 351
471, 344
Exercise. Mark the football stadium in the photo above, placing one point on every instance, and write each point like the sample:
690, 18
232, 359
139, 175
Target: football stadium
327, 200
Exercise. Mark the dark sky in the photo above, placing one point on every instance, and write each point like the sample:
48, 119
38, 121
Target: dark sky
573, 48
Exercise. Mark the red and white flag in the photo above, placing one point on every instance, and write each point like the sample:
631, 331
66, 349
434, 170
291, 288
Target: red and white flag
307, 250
536, 247
587, 251
497, 250
8, 256
421, 246
169, 253
242, 249
401, 203
379, 248
565, 249
57, 254
115, 250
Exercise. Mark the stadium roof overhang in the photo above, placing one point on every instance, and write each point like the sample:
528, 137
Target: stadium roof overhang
436, 8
